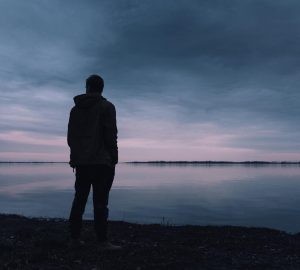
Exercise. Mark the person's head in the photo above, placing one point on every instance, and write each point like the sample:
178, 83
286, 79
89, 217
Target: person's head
94, 84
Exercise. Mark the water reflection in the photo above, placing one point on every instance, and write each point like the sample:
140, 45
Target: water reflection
235, 195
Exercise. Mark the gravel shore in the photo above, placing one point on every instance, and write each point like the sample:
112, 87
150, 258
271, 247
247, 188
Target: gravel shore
39, 243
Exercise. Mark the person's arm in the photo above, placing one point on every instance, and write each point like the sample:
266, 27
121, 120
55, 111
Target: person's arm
111, 132
69, 129
69, 137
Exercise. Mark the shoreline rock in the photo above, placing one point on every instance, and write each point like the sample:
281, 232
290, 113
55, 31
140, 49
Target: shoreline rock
42, 243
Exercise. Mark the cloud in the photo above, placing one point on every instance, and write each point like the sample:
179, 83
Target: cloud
219, 77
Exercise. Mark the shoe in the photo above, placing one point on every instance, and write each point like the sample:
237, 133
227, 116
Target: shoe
108, 246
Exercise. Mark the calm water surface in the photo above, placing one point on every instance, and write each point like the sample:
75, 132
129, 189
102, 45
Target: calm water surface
267, 196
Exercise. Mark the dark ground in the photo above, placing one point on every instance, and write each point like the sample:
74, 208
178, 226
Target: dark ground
32, 243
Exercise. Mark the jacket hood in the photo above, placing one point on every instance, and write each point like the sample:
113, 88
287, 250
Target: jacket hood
86, 101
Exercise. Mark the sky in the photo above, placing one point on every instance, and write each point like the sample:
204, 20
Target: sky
191, 80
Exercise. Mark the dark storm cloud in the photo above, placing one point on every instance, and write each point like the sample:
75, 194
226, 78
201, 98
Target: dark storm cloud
41, 39
230, 35
217, 58
232, 64
210, 39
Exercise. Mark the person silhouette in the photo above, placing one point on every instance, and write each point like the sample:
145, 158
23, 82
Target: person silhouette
92, 138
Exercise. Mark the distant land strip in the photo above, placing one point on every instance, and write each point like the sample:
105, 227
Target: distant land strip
183, 162
208, 162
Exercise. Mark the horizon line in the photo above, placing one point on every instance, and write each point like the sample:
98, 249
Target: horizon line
178, 162
218, 162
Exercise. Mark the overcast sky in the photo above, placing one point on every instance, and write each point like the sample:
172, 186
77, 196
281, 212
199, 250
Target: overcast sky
191, 80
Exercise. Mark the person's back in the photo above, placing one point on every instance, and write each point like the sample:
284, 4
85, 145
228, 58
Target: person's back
92, 138
92, 132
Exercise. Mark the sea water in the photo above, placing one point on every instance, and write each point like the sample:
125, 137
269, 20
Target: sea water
246, 195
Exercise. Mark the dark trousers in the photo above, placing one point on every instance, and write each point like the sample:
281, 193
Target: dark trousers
100, 177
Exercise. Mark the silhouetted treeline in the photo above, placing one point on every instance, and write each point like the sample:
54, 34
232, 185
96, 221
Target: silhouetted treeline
205, 162
208, 162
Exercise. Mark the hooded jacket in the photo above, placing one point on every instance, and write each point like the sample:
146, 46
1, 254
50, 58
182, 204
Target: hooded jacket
92, 131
